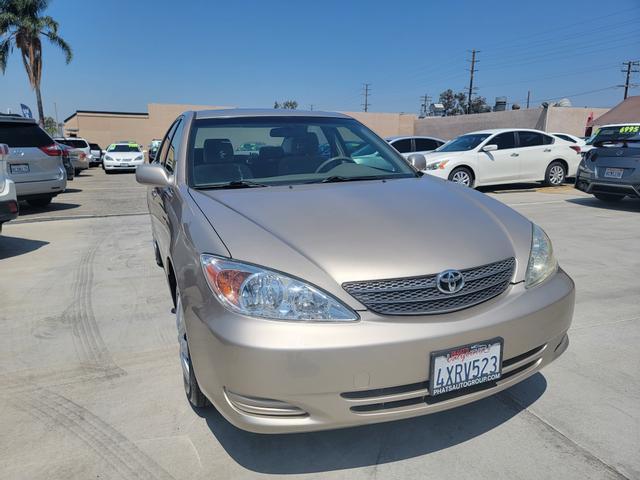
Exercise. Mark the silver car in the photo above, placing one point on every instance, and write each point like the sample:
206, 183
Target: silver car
310, 295
35, 160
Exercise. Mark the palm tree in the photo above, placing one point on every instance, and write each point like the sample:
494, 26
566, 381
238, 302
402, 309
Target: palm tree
22, 25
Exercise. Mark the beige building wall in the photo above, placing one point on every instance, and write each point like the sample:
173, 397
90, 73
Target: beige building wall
386, 124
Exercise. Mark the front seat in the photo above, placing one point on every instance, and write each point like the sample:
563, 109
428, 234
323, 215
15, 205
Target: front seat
301, 155
219, 164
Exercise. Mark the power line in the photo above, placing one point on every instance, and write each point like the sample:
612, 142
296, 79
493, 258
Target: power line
630, 64
472, 70
366, 92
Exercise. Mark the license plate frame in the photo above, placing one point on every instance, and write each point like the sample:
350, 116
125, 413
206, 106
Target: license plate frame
474, 352
19, 168
615, 173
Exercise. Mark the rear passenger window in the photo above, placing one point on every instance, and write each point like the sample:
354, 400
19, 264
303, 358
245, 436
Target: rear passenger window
547, 140
530, 139
23, 135
425, 144
172, 154
403, 146
504, 141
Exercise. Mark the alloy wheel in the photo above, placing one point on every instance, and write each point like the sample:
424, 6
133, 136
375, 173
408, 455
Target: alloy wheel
556, 175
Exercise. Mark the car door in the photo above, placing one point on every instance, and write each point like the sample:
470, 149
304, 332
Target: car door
501, 165
155, 198
426, 145
536, 152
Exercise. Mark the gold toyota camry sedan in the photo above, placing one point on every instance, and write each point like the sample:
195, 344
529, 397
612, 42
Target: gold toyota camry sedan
321, 281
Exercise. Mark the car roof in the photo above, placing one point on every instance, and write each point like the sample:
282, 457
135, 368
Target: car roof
14, 118
491, 131
70, 138
404, 137
265, 112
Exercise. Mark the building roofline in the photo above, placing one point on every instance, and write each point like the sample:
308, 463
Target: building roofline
104, 112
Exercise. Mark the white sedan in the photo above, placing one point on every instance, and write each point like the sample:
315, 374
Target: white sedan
122, 156
491, 157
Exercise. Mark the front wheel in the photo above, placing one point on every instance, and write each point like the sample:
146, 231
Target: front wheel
607, 197
462, 175
555, 174
191, 387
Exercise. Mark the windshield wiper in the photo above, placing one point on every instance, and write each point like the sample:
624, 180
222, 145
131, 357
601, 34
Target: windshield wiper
341, 178
233, 184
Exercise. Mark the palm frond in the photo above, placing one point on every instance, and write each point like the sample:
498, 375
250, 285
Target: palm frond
5, 50
56, 40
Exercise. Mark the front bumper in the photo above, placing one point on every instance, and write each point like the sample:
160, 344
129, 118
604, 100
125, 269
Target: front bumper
117, 165
373, 370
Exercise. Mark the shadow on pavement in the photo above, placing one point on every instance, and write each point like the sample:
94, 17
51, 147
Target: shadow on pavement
26, 209
371, 444
15, 246
626, 205
72, 190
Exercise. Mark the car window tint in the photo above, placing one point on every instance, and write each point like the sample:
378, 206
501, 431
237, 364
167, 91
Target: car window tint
530, 139
164, 147
403, 146
547, 140
564, 137
426, 144
172, 154
504, 141
23, 135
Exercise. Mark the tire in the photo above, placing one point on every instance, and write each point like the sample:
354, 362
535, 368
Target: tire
77, 172
555, 175
608, 197
191, 386
39, 202
463, 176
108, 172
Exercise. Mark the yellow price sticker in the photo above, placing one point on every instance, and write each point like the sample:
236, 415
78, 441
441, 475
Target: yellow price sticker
630, 129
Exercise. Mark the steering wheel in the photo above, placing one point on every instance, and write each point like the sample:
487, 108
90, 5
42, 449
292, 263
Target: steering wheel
339, 160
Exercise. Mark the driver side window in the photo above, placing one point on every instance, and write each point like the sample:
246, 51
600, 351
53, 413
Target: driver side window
504, 141
164, 146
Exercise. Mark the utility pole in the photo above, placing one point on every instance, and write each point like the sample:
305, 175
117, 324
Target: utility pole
365, 94
472, 70
55, 108
528, 97
311, 107
630, 64
425, 100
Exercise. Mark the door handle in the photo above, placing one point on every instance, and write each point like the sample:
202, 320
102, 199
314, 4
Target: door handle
547, 149
515, 154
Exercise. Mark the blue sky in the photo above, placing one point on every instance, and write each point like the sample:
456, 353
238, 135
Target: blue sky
249, 53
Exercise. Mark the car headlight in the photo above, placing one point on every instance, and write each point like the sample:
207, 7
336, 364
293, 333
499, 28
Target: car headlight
542, 263
139, 157
107, 157
258, 292
437, 165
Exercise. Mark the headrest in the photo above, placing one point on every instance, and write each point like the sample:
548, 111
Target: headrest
269, 153
218, 150
306, 144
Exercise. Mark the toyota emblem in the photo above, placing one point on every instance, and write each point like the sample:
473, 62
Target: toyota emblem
450, 281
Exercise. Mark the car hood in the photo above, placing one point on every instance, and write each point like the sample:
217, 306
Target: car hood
439, 156
334, 233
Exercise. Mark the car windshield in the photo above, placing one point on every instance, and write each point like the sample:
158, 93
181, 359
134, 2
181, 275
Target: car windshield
463, 143
288, 150
130, 147
73, 143
613, 133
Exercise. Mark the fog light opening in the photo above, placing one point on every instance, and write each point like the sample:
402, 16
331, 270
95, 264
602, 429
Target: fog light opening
265, 407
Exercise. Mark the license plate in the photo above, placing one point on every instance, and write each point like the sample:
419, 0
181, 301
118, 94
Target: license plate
613, 172
19, 168
465, 366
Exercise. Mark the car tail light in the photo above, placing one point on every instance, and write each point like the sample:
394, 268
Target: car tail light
13, 206
576, 148
52, 150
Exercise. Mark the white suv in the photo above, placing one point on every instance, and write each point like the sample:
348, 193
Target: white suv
491, 157
8, 200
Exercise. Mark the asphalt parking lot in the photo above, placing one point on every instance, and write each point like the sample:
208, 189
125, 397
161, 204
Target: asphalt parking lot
91, 387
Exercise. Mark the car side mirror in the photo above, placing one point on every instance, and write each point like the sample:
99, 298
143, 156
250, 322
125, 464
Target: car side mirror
152, 175
490, 148
418, 160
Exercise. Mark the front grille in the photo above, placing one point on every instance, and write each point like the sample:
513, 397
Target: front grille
420, 296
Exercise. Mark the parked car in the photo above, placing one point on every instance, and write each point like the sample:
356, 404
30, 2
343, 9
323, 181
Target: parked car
76, 156
66, 161
614, 130
409, 145
81, 145
35, 160
309, 295
499, 156
8, 199
96, 154
122, 156
577, 141
610, 170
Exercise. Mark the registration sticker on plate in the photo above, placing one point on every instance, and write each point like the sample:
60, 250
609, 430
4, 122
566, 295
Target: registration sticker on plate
613, 172
465, 366
19, 168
